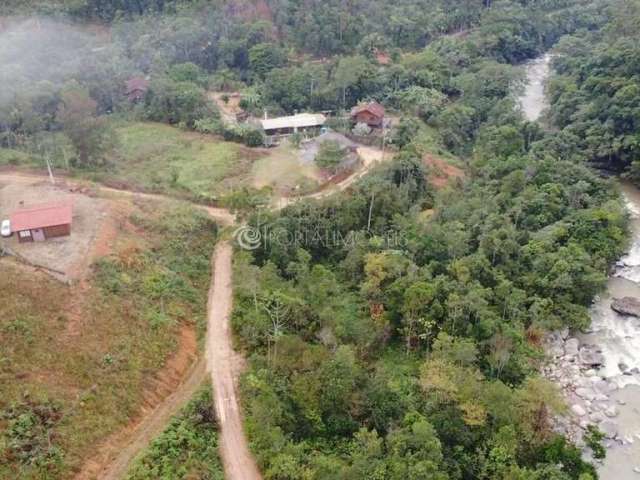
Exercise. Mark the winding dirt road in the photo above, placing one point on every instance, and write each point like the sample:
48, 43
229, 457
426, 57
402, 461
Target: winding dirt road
371, 157
220, 361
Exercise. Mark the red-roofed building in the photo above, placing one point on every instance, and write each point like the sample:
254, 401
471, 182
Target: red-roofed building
38, 223
370, 113
137, 88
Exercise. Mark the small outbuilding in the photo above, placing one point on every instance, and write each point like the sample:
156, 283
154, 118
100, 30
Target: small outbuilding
137, 88
38, 223
371, 114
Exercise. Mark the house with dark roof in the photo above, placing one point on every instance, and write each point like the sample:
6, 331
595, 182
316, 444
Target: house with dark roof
136, 88
371, 113
38, 223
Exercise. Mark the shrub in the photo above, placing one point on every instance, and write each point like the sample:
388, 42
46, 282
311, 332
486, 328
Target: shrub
252, 137
175, 102
30, 435
188, 448
361, 129
330, 155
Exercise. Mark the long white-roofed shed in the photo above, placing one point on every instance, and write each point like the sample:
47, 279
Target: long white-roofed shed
292, 124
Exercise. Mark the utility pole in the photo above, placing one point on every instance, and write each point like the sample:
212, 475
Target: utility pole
373, 196
53, 180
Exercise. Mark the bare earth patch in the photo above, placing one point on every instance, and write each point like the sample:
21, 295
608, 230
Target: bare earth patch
229, 109
67, 256
282, 169
441, 173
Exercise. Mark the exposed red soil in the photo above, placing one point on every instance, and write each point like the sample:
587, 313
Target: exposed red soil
439, 172
383, 58
173, 372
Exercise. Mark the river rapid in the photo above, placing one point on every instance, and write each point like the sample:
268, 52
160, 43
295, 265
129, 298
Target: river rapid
599, 370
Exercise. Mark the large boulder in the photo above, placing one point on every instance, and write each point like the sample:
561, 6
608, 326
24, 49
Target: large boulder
612, 411
626, 306
586, 393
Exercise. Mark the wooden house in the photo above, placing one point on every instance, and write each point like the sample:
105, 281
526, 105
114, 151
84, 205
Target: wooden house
38, 223
136, 89
371, 114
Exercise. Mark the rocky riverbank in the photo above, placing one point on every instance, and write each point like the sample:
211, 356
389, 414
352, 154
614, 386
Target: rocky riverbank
598, 371
590, 397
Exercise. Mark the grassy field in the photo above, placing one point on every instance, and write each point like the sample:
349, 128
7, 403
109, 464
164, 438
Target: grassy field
188, 448
159, 158
63, 393
164, 159
282, 171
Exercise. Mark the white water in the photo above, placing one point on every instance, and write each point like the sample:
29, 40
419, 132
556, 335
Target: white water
533, 101
617, 336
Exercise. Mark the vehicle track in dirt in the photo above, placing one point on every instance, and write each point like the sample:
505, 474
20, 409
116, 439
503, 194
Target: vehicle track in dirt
225, 366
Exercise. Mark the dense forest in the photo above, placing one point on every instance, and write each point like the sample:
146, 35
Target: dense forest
418, 359
403, 337
54, 104
595, 95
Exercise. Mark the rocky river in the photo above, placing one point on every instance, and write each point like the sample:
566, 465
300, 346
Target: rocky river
599, 370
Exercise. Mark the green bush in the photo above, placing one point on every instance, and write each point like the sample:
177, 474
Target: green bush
252, 137
188, 448
249, 136
29, 434
330, 155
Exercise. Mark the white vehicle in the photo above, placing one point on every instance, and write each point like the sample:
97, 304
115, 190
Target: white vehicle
5, 228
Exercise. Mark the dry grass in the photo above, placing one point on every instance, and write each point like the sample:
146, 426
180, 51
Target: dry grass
103, 373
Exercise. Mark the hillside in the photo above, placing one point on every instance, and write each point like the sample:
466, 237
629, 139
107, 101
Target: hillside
400, 240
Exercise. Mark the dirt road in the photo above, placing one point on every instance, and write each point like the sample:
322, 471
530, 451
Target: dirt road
221, 215
225, 365
220, 361
371, 157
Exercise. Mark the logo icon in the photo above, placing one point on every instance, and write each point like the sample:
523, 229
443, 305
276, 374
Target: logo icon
247, 238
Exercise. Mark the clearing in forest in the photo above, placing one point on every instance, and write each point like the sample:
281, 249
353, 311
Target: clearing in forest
85, 362
159, 158
440, 172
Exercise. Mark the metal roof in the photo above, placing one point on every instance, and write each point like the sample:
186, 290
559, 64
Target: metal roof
301, 120
41, 216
